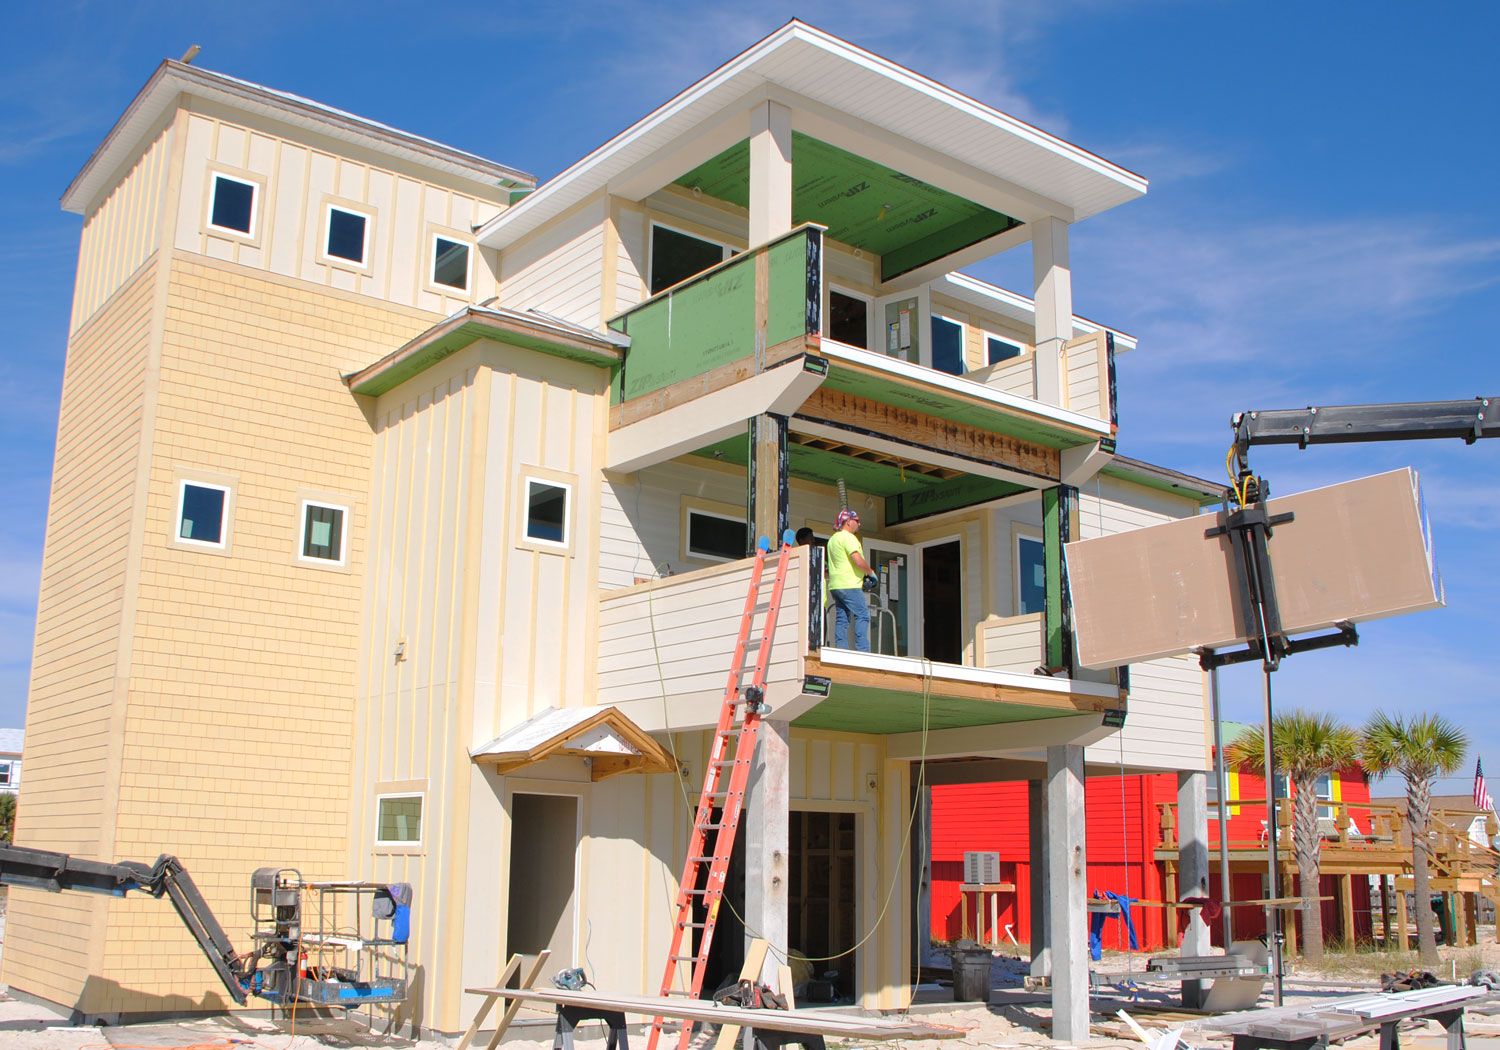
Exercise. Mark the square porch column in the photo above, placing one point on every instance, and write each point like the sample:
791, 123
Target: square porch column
1053, 281
1036, 823
769, 497
1067, 909
770, 172
767, 821
1192, 872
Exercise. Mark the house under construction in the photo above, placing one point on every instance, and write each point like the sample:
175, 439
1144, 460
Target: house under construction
401, 507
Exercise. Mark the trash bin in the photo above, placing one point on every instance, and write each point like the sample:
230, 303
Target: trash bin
971, 975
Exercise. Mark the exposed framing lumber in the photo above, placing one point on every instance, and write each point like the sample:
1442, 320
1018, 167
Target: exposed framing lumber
856, 415
683, 391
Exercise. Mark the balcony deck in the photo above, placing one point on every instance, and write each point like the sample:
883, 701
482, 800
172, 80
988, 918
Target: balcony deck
665, 648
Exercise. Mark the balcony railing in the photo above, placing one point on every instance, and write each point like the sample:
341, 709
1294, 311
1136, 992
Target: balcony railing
1088, 374
1012, 643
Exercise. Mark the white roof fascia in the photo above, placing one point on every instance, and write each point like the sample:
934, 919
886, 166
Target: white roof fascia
835, 73
1017, 306
172, 79
937, 672
999, 399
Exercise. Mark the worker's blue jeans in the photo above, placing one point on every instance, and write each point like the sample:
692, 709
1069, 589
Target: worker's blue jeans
851, 604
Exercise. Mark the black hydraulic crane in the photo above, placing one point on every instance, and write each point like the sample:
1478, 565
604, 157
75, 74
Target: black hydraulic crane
286, 935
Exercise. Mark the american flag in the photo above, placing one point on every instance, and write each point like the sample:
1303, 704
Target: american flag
1482, 798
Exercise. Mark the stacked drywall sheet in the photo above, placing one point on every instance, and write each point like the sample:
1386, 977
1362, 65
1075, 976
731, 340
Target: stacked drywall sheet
1357, 551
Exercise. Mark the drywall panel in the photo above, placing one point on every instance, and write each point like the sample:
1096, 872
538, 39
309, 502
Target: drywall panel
1356, 551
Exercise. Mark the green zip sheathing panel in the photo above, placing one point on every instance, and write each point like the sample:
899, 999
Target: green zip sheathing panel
1052, 555
908, 496
450, 343
709, 321
892, 391
860, 709
866, 205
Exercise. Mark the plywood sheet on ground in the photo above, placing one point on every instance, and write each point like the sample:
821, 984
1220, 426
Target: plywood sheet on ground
1356, 551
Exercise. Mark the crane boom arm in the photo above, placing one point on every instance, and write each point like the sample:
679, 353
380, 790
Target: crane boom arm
41, 869
1334, 424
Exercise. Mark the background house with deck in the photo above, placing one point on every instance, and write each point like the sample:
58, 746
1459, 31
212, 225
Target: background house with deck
405, 454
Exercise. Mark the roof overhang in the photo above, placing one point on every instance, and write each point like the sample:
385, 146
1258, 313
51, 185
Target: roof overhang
608, 741
524, 328
174, 79
1199, 490
799, 62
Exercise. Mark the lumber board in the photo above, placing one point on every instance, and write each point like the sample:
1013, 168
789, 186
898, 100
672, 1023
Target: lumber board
804, 1022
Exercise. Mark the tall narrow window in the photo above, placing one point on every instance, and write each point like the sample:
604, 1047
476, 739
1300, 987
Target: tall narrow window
201, 513
676, 256
848, 319
947, 346
1031, 575
323, 533
233, 206
450, 263
348, 235
546, 512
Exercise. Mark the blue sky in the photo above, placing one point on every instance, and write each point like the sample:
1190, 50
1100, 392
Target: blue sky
1321, 226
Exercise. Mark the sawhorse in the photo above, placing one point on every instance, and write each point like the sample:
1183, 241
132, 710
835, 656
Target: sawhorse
569, 1016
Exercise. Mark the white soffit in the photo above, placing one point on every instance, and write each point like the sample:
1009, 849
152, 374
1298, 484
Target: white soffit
172, 79
1017, 307
835, 73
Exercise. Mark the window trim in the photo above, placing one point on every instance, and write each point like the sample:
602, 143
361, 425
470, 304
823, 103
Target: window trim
719, 511
183, 481
1026, 348
868, 300
729, 251
1018, 532
934, 316
363, 265
415, 844
256, 188
326, 563
7, 768
541, 477
433, 284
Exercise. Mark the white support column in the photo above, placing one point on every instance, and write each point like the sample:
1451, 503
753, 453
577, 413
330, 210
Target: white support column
1053, 280
1192, 871
1036, 819
1067, 908
770, 171
767, 818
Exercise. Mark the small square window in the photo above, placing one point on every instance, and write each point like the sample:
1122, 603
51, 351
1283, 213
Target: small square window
348, 232
398, 819
201, 513
233, 204
322, 533
714, 537
1001, 350
546, 512
450, 263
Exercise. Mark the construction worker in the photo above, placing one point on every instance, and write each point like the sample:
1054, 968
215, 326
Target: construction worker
847, 569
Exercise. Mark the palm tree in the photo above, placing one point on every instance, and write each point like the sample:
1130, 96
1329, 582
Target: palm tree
1307, 747
1419, 748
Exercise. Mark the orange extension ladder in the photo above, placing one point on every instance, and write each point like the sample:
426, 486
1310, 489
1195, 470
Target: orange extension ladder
739, 723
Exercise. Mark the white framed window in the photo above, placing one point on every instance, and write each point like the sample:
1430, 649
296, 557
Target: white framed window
202, 514
324, 533
715, 537
398, 819
948, 340
1030, 565
677, 255
450, 263
234, 204
346, 235
5, 774
998, 348
547, 511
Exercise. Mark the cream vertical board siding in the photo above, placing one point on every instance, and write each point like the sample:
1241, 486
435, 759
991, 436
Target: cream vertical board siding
235, 748
1167, 724
52, 940
299, 175
1013, 643
490, 628
559, 270
122, 231
665, 646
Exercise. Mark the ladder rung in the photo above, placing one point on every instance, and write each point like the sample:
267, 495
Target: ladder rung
679, 991
682, 958
700, 860
693, 925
